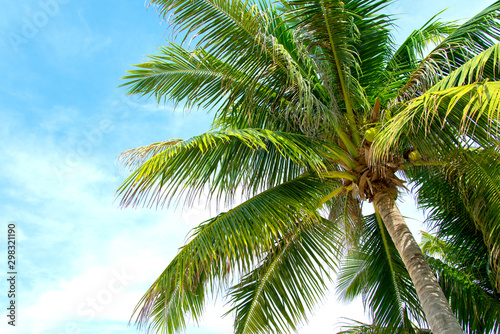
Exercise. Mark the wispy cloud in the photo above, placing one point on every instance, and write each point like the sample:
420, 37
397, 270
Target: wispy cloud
75, 237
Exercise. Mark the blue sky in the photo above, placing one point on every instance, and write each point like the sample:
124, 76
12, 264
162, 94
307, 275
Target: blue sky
84, 263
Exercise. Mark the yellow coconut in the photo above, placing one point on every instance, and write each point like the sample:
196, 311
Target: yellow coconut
414, 156
370, 134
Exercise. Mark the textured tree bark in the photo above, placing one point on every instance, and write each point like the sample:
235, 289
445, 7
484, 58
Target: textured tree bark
434, 303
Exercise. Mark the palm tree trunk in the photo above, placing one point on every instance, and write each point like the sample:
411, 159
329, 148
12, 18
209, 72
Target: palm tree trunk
435, 305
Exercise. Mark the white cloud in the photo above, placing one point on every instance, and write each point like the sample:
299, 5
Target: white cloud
73, 236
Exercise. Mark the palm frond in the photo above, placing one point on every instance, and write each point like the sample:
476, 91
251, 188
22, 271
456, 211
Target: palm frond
198, 78
285, 86
463, 200
223, 161
357, 327
407, 57
466, 41
346, 212
135, 157
325, 24
376, 271
478, 309
439, 121
233, 27
349, 41
373, 44
480, 68
230, 243
167, 306
412, 50
277, 295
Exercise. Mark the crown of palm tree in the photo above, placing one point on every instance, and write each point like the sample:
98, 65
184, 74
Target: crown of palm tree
316, 111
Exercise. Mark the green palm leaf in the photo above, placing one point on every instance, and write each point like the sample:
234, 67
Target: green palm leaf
480, 68
357, 327
196, 77
250, 82
372, 43
477, 306
440, 120
412, 50
463, 200
376, 271
276, 296
219, 24
407, 57
346, 212
233, 242
225, 160
325, 24
466, 41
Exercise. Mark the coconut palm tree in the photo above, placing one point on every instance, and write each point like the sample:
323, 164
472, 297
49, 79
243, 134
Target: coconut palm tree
316, 112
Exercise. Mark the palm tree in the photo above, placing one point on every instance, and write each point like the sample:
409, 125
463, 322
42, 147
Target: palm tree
317, 111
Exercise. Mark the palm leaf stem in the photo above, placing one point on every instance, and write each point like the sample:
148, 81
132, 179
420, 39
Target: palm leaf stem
347, 98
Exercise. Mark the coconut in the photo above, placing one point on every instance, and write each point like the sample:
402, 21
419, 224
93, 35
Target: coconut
414, 156
370, 134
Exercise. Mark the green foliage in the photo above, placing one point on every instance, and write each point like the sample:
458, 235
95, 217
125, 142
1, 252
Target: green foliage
356, 327
462, 199
294, 86
251, 158
375, 271
276, 295
260, 229
463, 202
383, 282
471, 295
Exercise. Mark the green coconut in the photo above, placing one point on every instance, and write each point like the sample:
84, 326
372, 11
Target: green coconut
414, 156
370, 134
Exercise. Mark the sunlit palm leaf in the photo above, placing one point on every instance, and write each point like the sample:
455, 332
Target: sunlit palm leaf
326, 24
273, 77
439, 121
466, 41
226, 26
484, 66
199, 78
413, 49
225, 160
